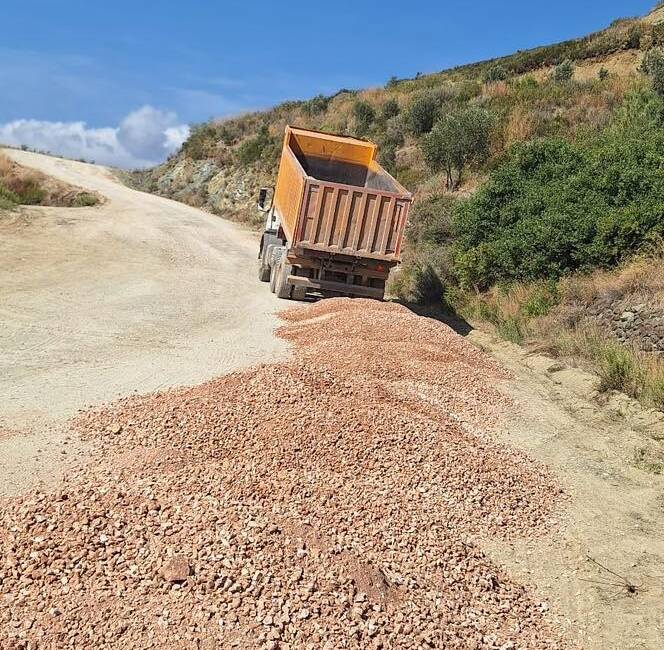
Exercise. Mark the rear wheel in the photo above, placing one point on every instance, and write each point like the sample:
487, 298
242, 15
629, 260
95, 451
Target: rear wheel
263, 273
282, 288
299, 293
273, 278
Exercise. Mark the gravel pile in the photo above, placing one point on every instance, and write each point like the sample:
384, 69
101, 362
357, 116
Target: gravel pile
327, 502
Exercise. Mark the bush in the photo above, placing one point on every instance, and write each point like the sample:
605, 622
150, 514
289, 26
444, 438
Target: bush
495, 73
29, 192
554, 207
634, 36
316, 105
201, 142
260, 147
618, 369
603, 74
458, 139
364, 116
430, 221
389, 110
653, 67
85, 200
8, 199
563, 72
422, 113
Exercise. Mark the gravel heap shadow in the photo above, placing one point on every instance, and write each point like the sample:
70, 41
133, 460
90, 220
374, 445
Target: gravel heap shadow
330, 501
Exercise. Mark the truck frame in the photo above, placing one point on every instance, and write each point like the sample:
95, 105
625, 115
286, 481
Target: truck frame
336, 221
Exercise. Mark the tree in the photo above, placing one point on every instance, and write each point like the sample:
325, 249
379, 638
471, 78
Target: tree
495, 73
653, 67
563, 72
422, 113
458, 139
364, 116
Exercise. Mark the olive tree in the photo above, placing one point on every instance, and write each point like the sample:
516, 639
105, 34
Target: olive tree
460, 138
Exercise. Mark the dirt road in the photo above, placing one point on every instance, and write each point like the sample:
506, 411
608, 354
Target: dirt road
135, 295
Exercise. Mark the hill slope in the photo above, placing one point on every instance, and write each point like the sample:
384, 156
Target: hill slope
223, 163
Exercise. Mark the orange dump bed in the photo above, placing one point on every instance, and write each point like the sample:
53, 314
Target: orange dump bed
332, 196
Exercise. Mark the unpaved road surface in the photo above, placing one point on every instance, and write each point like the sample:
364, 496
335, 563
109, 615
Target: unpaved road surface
345, 494
138, 294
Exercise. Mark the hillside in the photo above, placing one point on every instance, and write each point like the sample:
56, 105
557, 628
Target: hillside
529, 172
225, 161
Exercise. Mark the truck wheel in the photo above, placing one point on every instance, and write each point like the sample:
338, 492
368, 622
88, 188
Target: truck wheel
266, 241
299, 293
282, 288
274, 270
263, 272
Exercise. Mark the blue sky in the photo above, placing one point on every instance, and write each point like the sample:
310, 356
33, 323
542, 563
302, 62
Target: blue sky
95, 63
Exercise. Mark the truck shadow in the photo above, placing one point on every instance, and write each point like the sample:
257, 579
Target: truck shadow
451, 319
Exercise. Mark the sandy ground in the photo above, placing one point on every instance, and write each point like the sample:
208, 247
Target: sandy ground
138, 294
615, 513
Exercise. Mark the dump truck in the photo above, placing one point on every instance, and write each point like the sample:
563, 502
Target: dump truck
334, 221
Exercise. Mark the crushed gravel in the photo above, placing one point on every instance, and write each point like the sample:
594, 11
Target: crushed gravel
330, 501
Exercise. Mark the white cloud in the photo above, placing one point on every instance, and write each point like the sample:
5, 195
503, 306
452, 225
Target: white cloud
144, 138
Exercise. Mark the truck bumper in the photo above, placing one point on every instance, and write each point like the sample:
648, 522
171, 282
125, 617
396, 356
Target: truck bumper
340, 288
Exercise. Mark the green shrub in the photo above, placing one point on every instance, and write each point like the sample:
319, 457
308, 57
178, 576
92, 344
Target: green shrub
653, 67
30, 193
634, 36
618, 369
260, 147
85, 200
201, 141
430, 221
554, 207
364, 116
316, 105
389, 110
422, 113
8, 199
603, 74
495, 73
511, 329
563, 72
542, 299
458, 139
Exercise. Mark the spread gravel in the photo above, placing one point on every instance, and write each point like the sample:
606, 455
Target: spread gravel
331, 501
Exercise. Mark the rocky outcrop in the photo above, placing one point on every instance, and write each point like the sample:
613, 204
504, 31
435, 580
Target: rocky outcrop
227, 190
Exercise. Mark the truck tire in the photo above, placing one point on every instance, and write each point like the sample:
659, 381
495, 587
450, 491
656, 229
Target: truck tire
263, 272
282, 288
274, 270
266, 241
299, 293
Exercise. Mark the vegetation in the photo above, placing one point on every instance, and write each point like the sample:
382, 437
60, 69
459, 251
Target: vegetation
653, 66
554, 206
458, 139
563, 72
528, 171
21, 186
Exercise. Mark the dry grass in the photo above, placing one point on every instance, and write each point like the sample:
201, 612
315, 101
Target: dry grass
520, 126
550, 318
641, 280
620, 367
496, 89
